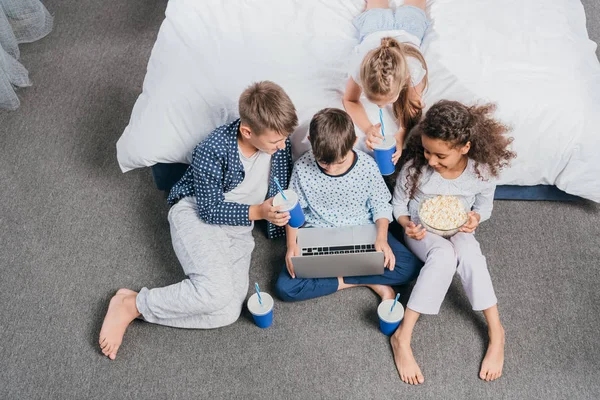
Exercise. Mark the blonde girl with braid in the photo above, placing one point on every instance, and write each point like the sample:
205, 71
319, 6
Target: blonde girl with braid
388, 68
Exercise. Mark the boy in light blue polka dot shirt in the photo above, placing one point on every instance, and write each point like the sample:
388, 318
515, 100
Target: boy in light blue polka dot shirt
214, 208
339, 186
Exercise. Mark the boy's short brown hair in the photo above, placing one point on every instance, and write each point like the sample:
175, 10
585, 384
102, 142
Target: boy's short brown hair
331, 134
265, 105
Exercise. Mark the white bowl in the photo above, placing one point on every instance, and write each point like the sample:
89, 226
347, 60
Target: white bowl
447, 232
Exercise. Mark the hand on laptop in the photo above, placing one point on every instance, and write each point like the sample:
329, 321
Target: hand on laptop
389, 261
292, 251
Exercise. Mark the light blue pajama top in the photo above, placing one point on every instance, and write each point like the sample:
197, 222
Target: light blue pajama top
357, 197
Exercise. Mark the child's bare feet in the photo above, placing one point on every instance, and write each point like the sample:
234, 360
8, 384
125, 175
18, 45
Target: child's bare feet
384, 291
405, 362
491, 366
121, 311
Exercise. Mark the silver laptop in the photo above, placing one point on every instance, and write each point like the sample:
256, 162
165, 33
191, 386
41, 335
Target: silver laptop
333, 252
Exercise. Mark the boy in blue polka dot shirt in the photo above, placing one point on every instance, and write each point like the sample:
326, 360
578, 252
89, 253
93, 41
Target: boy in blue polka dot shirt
340, 186
214, 208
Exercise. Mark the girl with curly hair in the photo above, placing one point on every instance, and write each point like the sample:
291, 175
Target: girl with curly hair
459, 151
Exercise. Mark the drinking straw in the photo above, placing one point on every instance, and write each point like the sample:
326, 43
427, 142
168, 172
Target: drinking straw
381, 120
279, 187
395, 301
258, 293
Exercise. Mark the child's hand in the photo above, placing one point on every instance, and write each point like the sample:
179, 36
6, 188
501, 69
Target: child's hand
397, 154
413, 231
271, 214
373, 136
389, 260
472, 223
292, 251
399, 146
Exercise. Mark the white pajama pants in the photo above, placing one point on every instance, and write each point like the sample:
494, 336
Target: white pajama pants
216, 260
443, 257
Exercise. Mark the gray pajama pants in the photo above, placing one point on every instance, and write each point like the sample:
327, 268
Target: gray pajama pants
216, 260
443, 257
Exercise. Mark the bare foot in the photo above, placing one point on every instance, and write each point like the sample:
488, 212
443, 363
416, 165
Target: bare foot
405, 362
491, 366
384, 291
121, 311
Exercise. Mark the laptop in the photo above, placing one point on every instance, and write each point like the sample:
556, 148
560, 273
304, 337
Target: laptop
333, 252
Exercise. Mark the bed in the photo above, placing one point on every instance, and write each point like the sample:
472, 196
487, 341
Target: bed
534, 59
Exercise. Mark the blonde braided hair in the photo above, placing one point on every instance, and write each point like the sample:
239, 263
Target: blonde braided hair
383, 71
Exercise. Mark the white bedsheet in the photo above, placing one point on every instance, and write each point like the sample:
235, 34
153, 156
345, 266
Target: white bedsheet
533, 58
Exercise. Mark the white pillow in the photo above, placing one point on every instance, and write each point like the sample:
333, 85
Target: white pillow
532, 58
207, 53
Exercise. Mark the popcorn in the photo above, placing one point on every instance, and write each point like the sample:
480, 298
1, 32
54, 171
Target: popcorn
443, 212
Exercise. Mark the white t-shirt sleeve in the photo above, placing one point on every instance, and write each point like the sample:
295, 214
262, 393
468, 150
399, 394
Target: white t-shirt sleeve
484, 202
355, 68
416, 70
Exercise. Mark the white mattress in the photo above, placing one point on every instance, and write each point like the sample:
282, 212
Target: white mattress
533, 58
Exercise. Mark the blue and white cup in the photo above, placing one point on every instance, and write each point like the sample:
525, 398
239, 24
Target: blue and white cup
383, 153
262, 313
389, 320
292, 206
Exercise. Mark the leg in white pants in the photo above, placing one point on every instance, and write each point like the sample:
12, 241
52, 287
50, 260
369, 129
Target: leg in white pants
436, 275
216, 260
473, 271
442, 258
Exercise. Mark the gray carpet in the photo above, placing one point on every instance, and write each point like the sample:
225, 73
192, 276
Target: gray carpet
74, 229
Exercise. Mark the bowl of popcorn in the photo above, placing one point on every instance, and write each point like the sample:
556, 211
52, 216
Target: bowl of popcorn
443, 215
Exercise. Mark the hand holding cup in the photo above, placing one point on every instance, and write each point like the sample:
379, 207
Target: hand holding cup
271, 213
373, 136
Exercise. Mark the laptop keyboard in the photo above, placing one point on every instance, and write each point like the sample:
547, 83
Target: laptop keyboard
321, 251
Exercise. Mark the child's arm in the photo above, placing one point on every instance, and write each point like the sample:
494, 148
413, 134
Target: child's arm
267, 211
484, 202
381, 210
379, 196
400, 202
356, 110
292, 248
399, 135
208, 188
481, 210
381, 243
210, 197
292, 233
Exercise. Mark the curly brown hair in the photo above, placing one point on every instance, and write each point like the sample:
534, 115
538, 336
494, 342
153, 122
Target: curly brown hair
457, 124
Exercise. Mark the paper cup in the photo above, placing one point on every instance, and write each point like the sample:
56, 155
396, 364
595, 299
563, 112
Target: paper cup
292, 206
383, 153
262, 314
389, 321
